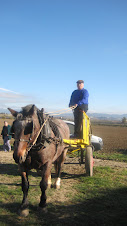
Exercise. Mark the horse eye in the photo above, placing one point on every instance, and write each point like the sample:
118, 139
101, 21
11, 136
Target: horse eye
28, 128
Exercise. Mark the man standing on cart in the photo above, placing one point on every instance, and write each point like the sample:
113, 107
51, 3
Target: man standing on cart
79, 100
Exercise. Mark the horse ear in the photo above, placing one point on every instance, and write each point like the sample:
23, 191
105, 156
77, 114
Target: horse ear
32, 110
29, 110
13, 112
42, 111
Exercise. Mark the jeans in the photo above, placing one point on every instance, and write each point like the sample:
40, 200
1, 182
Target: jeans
6, 145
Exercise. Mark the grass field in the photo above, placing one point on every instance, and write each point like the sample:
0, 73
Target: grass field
99, 200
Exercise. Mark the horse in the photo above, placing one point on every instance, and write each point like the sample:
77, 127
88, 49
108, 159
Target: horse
38, 144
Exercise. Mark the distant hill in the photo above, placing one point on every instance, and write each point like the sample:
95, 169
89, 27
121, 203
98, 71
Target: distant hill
5, 111
109, 117
93, 116
99, 116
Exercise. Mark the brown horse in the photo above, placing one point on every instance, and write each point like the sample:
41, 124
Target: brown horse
38, 144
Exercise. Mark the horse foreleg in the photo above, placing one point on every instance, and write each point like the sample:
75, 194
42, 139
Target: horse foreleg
46, 172
24, 211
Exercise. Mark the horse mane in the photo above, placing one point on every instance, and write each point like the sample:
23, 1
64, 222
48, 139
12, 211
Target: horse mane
25, 110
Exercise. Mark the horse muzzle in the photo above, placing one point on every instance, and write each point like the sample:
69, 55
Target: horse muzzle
19, 158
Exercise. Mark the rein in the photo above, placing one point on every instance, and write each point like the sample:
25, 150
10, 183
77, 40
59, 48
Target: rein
55, 140
28, 141
34, 142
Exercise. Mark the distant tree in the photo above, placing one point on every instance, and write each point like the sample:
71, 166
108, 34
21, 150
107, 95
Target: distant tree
124, 120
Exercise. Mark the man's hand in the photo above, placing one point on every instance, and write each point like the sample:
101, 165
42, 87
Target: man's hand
74, 106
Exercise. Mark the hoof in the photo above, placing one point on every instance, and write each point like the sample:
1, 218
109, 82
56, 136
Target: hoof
57, 183
56, 186
24, 213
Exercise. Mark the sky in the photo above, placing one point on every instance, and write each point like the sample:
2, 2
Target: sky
47, 45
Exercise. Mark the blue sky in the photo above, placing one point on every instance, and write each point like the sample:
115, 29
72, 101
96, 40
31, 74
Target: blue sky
47, 45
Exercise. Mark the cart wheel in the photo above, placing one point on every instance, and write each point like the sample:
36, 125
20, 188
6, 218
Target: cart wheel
89, 161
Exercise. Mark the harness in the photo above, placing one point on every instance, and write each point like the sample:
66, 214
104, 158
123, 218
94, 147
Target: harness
35, 140
48, 139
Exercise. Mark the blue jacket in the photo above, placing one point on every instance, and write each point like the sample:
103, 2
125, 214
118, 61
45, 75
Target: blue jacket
79, 97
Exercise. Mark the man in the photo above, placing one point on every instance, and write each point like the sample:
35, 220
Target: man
79, 99
6, 137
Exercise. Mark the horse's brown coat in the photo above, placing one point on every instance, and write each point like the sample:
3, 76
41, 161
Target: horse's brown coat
39, 159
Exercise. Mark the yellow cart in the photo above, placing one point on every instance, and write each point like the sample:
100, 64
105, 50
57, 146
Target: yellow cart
83, 144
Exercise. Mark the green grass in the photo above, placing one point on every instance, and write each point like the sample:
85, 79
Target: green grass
97, 200
102, 198
117, 156
104, 178
121, 157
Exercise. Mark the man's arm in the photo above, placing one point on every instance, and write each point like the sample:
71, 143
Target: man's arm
84, 99
72, 101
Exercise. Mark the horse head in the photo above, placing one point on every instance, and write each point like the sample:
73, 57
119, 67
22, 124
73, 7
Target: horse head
24, 129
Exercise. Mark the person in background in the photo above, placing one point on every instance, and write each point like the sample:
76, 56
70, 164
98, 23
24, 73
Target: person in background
79, 100
6, 136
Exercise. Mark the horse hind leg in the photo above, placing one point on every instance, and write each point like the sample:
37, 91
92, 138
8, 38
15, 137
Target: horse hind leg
57, 183
58, 164
24, 210
49, 181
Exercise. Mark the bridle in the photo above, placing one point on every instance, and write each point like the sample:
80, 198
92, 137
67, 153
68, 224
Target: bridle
30, 139
34, 142
35, 145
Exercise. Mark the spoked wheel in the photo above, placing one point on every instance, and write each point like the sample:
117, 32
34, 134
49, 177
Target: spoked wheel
89, 161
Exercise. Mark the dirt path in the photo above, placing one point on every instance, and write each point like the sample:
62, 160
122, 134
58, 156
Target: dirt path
6, 157
97, 162
70, 163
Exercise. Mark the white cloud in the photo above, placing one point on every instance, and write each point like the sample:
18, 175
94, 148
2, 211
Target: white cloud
9, 98
7, 90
